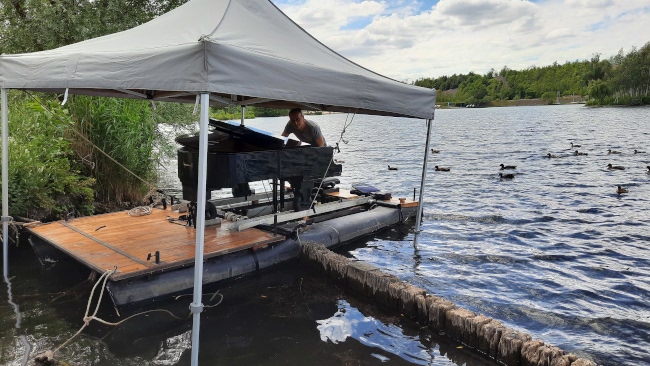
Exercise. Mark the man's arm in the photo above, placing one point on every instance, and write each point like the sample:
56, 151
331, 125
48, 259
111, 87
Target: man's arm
320, 141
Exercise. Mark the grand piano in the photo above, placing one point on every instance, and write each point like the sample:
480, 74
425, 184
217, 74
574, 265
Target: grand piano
238, 155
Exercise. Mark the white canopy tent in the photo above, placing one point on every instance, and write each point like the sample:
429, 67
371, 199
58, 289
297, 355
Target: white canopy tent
228, 52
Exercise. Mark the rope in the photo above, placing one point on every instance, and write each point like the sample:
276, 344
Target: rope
88, 318
140, 211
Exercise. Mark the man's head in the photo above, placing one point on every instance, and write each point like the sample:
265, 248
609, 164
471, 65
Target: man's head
296, 118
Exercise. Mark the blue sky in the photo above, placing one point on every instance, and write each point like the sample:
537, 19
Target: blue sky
408, 39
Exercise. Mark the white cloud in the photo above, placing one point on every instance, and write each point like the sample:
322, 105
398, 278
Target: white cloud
458, 36
590, 3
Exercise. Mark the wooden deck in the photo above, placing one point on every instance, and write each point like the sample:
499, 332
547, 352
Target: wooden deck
111, 240
345, 194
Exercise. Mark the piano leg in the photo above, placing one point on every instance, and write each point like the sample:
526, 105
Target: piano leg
275, 195
282, 193
296, 185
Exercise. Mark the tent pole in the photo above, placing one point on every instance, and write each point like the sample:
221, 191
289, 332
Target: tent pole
424, 177
243, 115
5, 188
197, 306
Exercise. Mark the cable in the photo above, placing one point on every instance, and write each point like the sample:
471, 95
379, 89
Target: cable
345, 127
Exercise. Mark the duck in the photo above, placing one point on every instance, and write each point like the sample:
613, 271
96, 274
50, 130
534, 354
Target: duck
638, 151
621, 190
550, 156
441, 169
573, 146
579, 153
435, 151
508, 167
610, 151
392, 167
615, 167
339, 161
506, 176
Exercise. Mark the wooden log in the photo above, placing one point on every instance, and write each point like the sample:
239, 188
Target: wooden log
336, 266
457, 322
529, 354
357, 276
475, 324
423, 310
377, 286
437, 309
510, 345
489, 335
408, 300
394, 294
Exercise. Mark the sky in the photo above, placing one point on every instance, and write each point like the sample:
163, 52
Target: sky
410, 39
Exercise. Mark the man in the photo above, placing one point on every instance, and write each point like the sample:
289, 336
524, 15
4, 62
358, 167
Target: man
305, 130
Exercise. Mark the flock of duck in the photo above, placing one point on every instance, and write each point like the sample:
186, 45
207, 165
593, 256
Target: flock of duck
619, 189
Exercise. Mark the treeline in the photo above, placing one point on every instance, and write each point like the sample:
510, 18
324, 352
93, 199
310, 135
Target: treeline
621, 79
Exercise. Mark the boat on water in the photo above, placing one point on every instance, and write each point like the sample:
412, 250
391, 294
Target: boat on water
152, 255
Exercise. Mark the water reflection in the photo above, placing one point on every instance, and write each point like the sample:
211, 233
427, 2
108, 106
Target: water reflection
349, 322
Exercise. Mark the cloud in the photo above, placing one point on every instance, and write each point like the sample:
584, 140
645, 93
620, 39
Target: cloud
487, 12
408, 39
590, 3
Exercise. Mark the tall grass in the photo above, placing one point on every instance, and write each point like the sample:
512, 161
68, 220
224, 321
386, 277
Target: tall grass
54, 171
43, 182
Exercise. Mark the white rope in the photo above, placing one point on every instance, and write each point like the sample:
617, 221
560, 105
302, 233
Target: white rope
140, 211
88, 318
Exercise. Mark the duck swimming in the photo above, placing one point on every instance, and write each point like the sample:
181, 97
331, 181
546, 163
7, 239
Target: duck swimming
508, 167
621, 190
610, 151
638, 152
550, 156
435, 151
574, 146
579, 153
615, 167
441, 169
506, 176
392, 167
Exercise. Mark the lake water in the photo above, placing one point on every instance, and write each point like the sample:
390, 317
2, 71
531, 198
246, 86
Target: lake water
554, 251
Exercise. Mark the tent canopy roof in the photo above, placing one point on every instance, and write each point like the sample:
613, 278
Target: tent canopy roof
244, 52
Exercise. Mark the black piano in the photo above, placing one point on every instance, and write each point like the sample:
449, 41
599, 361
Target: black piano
238, 155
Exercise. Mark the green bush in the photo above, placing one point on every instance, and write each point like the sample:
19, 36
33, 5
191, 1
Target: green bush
42, 182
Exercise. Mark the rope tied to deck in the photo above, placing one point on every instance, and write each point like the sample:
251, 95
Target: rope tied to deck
49, 354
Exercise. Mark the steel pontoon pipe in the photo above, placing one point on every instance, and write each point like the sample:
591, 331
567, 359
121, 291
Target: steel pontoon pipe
5, 188
197, 305
424, 177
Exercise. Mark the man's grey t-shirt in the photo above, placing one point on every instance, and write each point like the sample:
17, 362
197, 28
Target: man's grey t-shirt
309, 135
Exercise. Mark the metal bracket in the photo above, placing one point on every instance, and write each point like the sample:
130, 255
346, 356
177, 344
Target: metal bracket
196, 309
6, 219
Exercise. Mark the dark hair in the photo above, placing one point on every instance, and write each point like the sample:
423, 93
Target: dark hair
295, 110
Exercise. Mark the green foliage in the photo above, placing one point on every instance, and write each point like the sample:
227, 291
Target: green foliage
33, 25
622, 79
549, 97
43, 183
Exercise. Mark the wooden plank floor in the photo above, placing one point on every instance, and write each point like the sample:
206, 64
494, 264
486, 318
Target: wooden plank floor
111, 240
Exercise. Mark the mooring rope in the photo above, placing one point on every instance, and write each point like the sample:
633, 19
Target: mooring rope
49, 355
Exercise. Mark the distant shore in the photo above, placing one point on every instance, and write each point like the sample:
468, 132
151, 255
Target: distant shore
520, 103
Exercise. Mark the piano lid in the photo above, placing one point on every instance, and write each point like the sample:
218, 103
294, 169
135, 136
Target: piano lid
230, 136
